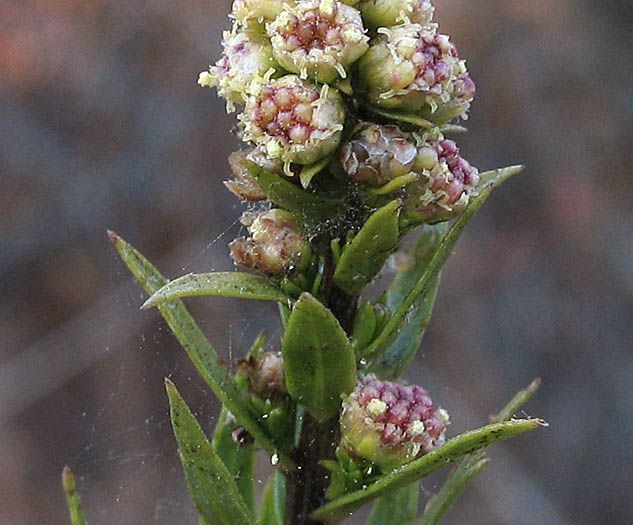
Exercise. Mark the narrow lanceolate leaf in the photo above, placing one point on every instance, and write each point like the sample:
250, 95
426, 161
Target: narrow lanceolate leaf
273, 509
75, 509
488, 181
401, 507
472, 464
450, 451
408, 339
211, 486
319, 362
238, 458
198, 348
226, 284
309, 206
368, 251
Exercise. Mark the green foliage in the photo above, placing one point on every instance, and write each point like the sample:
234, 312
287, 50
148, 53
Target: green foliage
211, 486
273, 509
472, 464
488, 181
239, 458
400, 506
198, 348
226, 284
363, 258
408, 338
319, 362
312, 208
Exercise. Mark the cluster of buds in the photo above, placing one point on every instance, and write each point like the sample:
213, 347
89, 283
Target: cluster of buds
444, 181
390, 424
276, 246
285, 60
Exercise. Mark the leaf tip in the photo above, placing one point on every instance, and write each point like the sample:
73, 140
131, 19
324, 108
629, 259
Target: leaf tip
148, 304
114, 237
68, 479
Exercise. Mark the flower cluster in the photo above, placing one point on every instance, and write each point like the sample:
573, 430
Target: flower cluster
361, 93
390, 424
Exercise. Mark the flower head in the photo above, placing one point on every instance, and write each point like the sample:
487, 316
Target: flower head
276, 245
293, 120
443, 191
412, 67
390, 424
386, 13
247, 55
318, 39
376, 154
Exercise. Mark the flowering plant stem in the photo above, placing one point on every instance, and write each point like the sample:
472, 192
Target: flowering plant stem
346, 107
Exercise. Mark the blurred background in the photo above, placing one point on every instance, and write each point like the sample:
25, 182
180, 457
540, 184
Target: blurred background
102, 126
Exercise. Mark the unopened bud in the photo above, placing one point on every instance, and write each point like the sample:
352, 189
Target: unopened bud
318, 39
411, 67
376, 154
244, 184
386, 13
390, 424
276, 245
255, 14
293, 120
265, 373
247, 55
444, 189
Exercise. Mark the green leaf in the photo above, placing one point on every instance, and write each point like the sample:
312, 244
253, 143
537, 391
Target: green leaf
319, 361
198, 348
273, 509
488, 181
226, 284
472, 464
406, 118
363, 258
310, 170
73, 500
450, 451
238, 458
310, 207
364, 326
401, 351
400, 506
211, 486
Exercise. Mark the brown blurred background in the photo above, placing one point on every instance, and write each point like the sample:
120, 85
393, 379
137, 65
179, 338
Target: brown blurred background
102, 126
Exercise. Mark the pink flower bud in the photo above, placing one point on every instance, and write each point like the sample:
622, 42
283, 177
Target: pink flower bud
247, 55
390, 424
276, 245
411, 67
443, 191
293, 120
376, 154
318, 39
